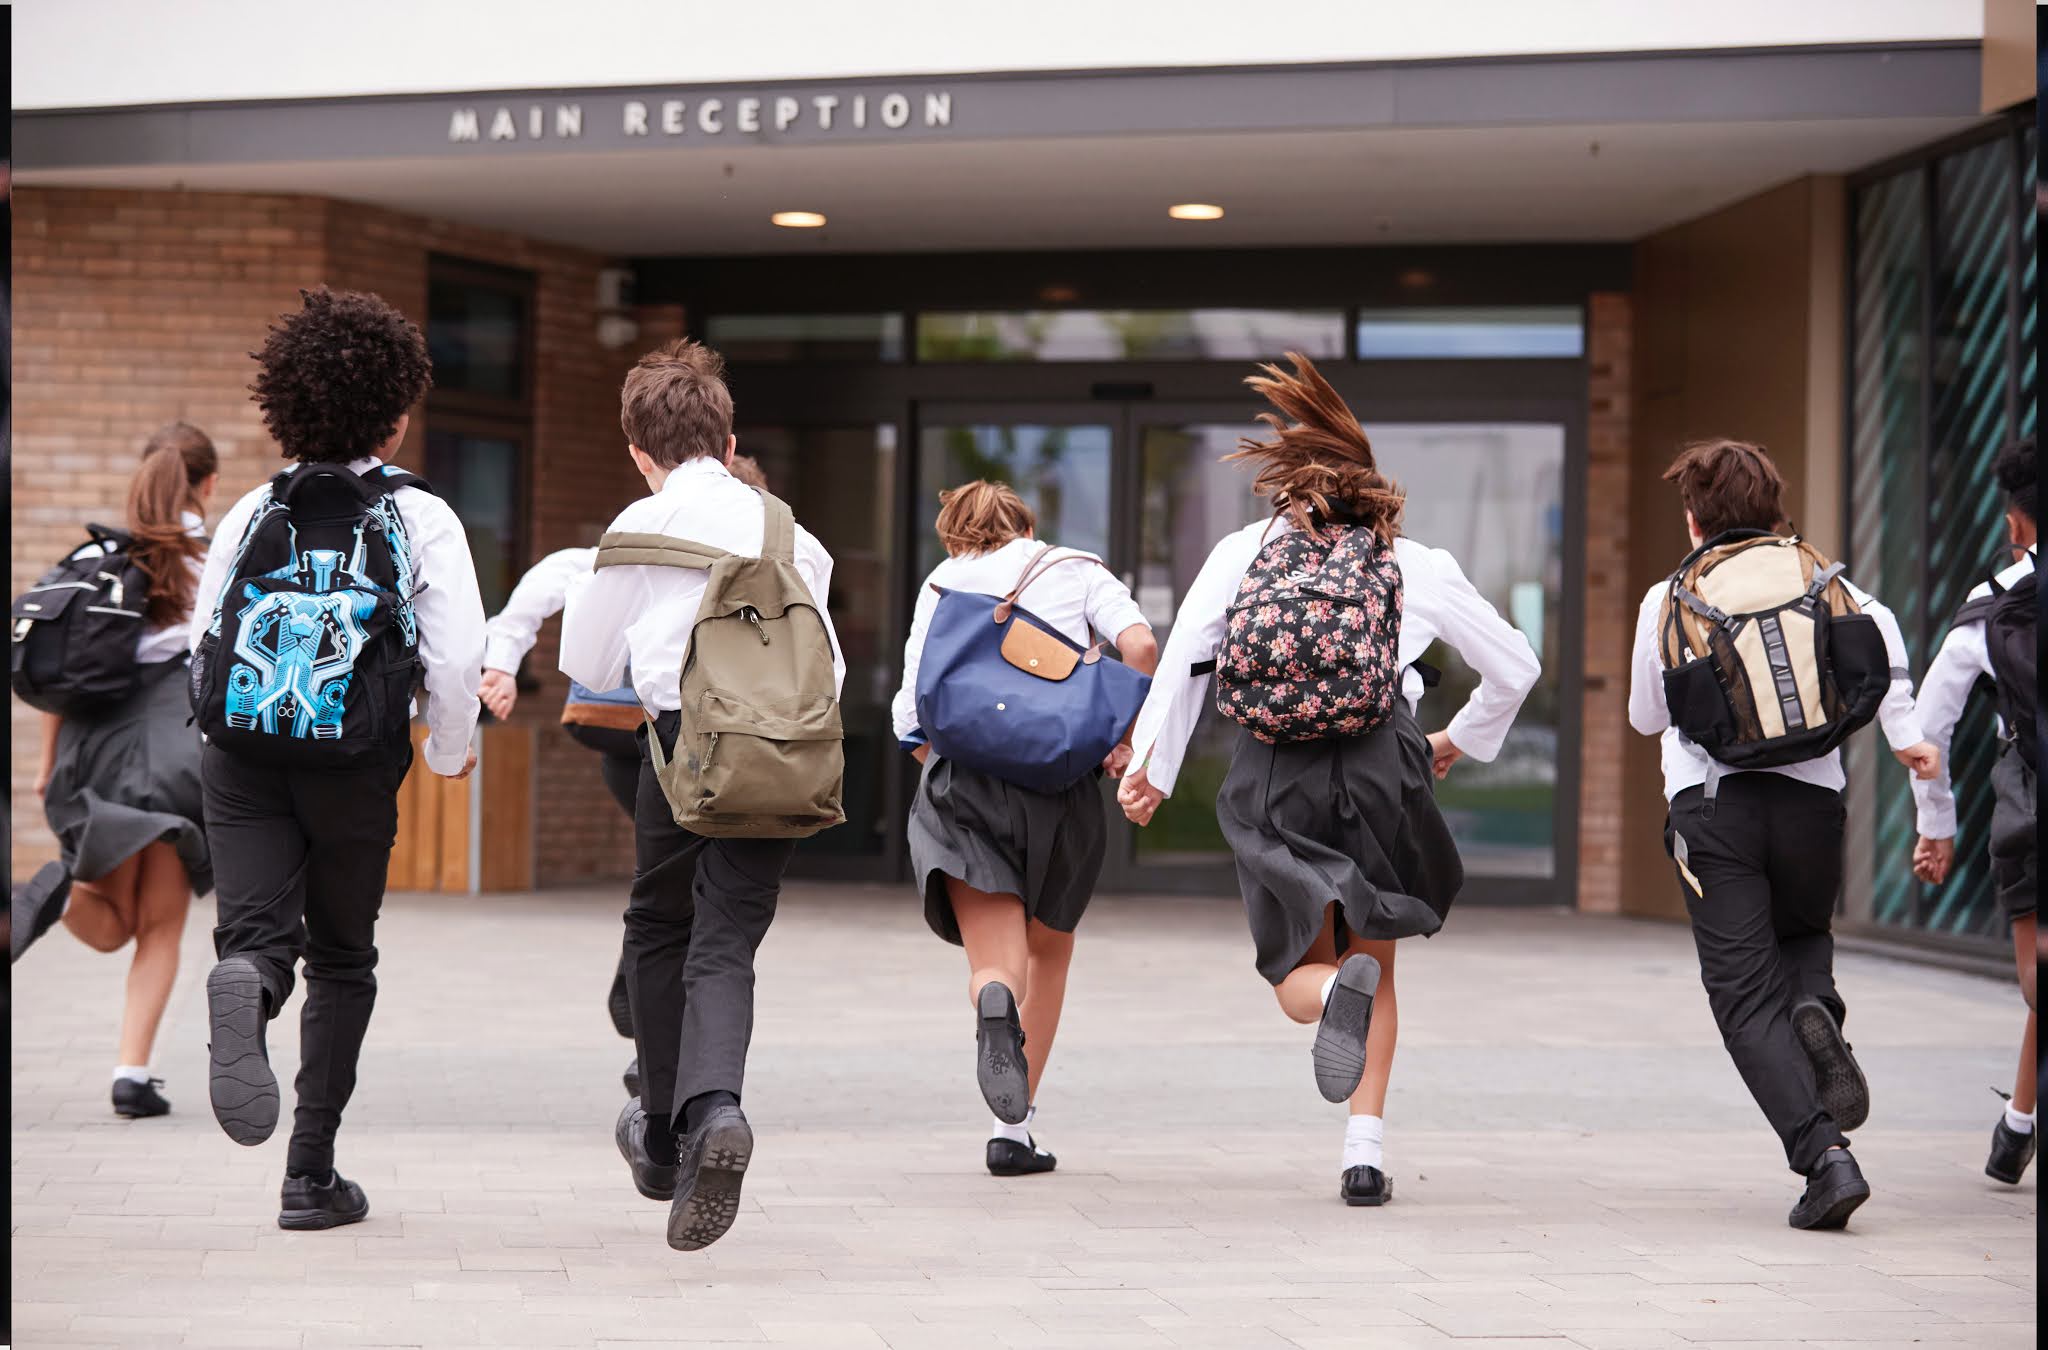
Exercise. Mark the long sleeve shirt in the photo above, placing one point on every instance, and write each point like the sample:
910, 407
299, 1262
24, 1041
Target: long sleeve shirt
1687, 766
445, 600
641, 617
1961, 662
1438, 602
538, 597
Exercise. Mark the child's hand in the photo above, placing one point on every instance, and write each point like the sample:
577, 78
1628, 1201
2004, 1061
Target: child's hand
1932, 859
499, 693
921, 753
1923, 759
468, 766
1117, 760
1138, 797
1442, 754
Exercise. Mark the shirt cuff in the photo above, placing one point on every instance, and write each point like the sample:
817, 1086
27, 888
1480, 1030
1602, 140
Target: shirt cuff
1936, 822
1902, 731
443, 758
1476, 745
502, 654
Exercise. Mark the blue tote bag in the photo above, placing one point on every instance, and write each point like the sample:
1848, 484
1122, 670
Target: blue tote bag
1003, 691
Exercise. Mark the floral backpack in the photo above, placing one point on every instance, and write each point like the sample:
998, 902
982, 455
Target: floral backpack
1311, 645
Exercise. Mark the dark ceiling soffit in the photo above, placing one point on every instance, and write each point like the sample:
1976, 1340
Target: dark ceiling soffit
1770, 84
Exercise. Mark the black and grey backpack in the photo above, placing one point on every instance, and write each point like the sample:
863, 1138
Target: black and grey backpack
2011, 619
75, 629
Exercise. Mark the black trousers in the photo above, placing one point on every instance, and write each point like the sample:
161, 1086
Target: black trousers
1760, 875
300, 858
698, 912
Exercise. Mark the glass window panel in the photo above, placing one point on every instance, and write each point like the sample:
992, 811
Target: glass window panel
1129, 335
476, 335
1530, 331
807, 337
1062, 473
479, 476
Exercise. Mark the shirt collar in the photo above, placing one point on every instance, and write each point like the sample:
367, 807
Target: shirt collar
193, 522
700, 467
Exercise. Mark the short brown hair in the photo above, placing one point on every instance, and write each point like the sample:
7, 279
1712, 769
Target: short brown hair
748, 470
980, 517
1728, 485
675, 405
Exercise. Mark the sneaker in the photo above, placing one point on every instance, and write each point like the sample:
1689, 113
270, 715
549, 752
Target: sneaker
999, 1064
632, 1077
1834, 1188
309, 1204
1839, 1080
134, 1100
1008, 1158
619, 1005
37, 905
243, 1088
712, 1163
1339, 1051
1365, 1185
654, 1180
2011, 1151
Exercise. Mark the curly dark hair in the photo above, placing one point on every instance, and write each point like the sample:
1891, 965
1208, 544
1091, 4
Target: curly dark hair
336, 376
2015, 471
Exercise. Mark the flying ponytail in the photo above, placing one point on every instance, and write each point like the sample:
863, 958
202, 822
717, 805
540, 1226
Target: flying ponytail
1318, 465
176, 460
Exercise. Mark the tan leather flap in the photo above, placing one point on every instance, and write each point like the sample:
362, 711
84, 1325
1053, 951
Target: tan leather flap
1037, 652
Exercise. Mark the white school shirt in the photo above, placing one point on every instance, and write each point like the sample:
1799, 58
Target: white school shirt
1686, 765
1963, 658
1071, 596
444, 599
1437, 601
168, 640
640, 617
538, 597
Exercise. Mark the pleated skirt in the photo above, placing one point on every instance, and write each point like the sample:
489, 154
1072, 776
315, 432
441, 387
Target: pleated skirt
1046, 848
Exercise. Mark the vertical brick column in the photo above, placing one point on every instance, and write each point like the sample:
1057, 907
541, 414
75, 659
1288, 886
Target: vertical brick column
1609, 610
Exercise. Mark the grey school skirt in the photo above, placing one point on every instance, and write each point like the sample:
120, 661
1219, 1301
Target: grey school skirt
129, 777
1044, 847
2015, 844
1352, 821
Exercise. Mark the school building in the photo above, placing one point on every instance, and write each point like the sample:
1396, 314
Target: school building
1537, 248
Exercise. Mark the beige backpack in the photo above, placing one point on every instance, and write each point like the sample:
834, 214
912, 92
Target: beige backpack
759, 751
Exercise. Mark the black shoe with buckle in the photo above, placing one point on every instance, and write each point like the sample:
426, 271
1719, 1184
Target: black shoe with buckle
135, 1100
313, 1203
1834, 1188
1838, 1079
1008, 1158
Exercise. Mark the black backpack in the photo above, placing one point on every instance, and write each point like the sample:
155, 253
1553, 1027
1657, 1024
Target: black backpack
75, 629
2011, 622
313, 650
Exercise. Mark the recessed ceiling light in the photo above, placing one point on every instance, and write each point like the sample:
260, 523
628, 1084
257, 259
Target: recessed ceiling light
1195, 211
1058, 293
797, 220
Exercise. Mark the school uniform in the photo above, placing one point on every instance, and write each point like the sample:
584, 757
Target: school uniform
1347, 819
1963, 660
301, 854
1046, 848
127, 776
699, 908
1760, 867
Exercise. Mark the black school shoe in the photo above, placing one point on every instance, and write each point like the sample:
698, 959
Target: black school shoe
243, 1089
654, 1180
999, 1065
134, 1100
1834, 1188
1843, 1092
35, 907
1364, 1185
1339, 1051
309, 1204
2011, 1151
1008, 1158
712, 1163
632, 1077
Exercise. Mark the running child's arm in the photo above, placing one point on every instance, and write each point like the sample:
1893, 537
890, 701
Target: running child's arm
451, 626
1943, 693
1647, 711
1895, 714
1110, 609
598, 609
903, 708
1497, 652
511, 633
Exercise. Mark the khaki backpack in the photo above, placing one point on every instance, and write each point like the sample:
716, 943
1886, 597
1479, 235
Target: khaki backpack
759, 751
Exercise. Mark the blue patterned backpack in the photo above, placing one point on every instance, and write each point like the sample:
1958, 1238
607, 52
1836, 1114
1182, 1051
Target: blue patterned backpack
313, 650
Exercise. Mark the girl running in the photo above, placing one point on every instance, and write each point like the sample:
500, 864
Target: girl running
121, 788
1007, 872
1314, 621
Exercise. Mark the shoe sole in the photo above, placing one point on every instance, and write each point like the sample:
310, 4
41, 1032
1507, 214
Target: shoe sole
620, 1006
999, 1066
313, 1220
1843, 1091
703, 1214
1006, 1170
1841, 1204
1370, 1201
1339, 1051
632, 1081
140, 1115
240, 1081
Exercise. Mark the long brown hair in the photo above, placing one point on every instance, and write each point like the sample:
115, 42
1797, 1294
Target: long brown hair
1318, 463
176, 460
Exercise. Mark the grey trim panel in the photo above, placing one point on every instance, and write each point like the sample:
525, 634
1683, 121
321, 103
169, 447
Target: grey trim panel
1931, 80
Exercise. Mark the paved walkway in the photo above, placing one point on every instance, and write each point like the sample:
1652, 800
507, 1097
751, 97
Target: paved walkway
1576, 1163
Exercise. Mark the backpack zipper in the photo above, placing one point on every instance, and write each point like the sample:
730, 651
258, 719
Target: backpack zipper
753, 616
709, 751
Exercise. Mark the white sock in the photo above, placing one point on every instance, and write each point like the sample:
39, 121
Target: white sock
1020, 1133
1363, 1136
1328, 985
138, 1073
2017, 1123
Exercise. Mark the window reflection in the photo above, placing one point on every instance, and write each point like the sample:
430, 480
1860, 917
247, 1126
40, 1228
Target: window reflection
1518, 331
1061, 472
1129, 335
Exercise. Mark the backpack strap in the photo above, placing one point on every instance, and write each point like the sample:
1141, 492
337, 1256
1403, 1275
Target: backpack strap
389, 478
629, 548
1823, 579
778, 528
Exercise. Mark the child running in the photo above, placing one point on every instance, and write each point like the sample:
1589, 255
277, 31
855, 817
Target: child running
2005, 604
1006, 872
1313, 622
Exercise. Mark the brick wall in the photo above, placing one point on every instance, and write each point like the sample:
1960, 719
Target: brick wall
1609, 607
133, 308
